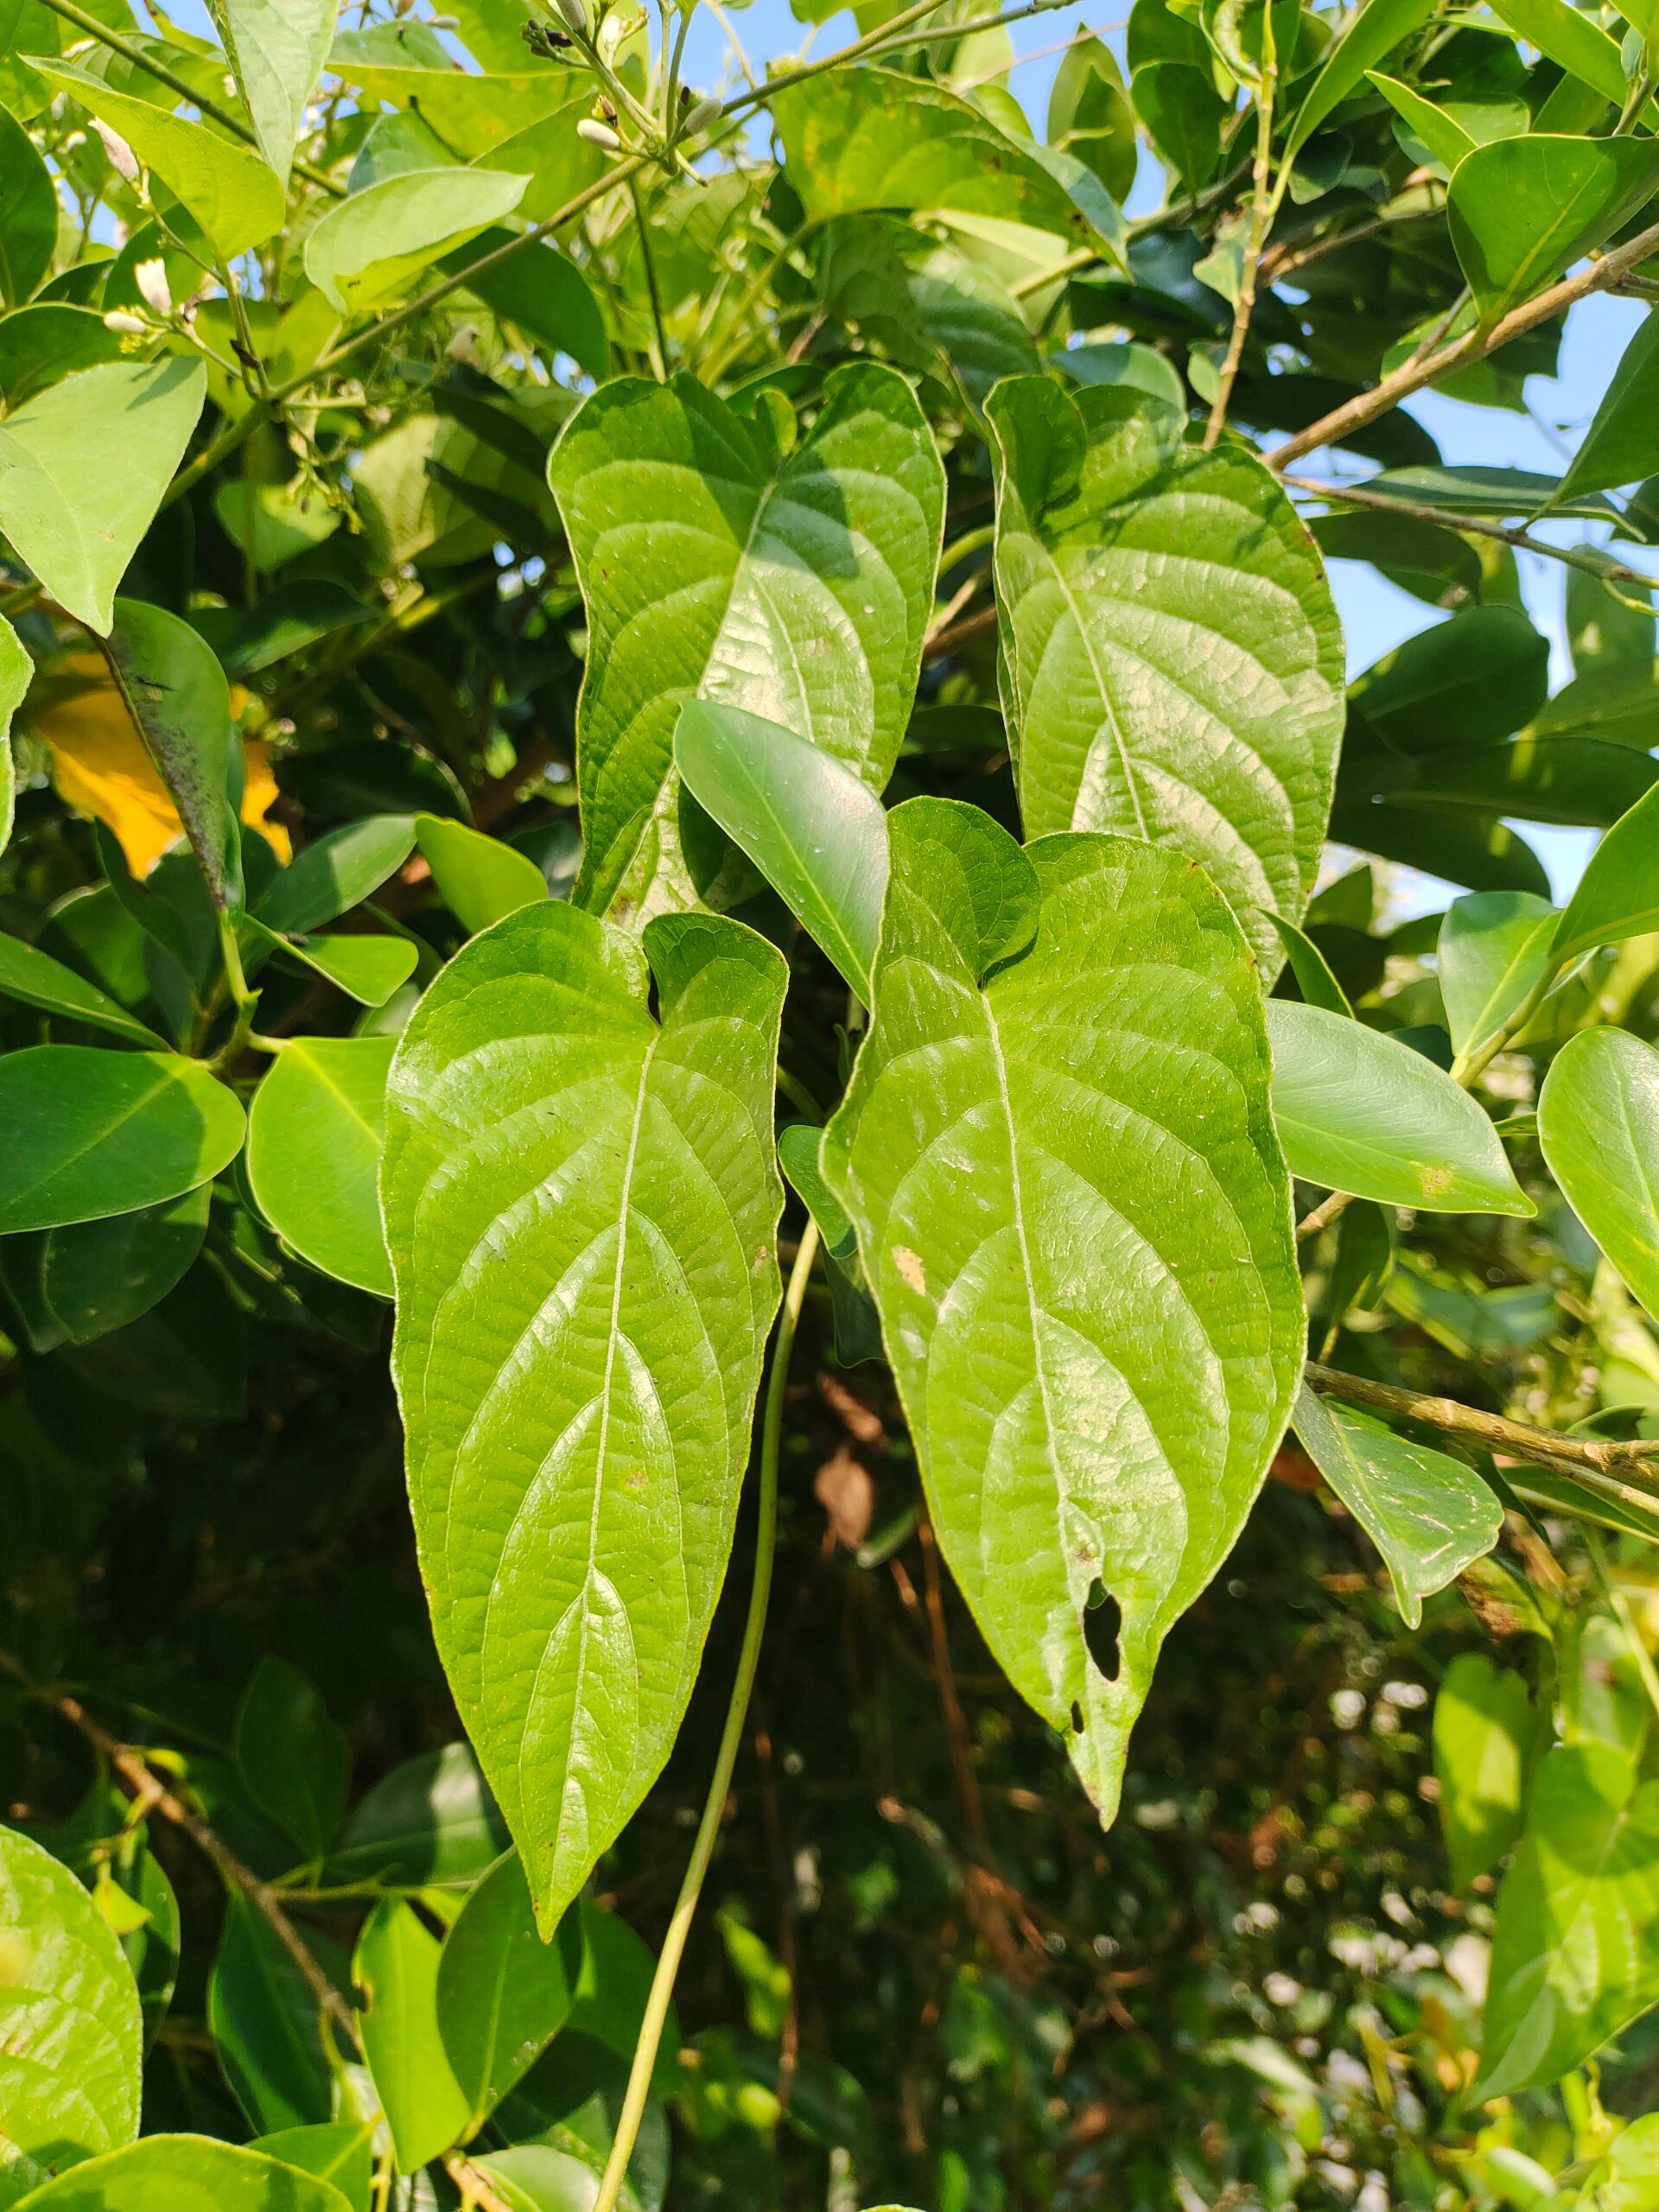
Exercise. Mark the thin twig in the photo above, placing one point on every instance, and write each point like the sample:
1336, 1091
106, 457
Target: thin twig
1597, 1455
1264, 204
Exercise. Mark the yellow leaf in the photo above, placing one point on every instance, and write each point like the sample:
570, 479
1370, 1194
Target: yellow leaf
102, 766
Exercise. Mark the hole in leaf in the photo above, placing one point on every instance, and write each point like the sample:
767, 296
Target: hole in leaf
1102, 1618
1076, 1718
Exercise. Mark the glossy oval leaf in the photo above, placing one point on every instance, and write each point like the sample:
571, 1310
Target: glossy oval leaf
1575, 1952
479, 878
1478, 677
1173, 657
340, 2152
1494, 949
186, 2173
83, 466
396, 1967
368, 249
87, 1132
1599, 1126
705, 553
816, 834
337, 872
579, 1204
1427, 1513
29, 235
1617, 895
431, 1821
1622, 443
1523, 210
366, 968
503, 1994
176, 692
266, 2025
34, 978
96, 1276
1076, 1225
1357, 1112
293, 1758
71, 2033
234, 196
315, 1131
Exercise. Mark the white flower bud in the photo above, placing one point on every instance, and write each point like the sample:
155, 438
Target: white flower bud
574, 13
701, 115
122, 156
150, 276
131, 326
598, 134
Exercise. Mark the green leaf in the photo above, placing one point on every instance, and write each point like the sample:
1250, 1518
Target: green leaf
186, 2173
1622, 443
431, 1821
339, 2152
368, 969
1493, 949
371, 248
1117, 362
83, 466
337, 873
1480, 851
1570, 38
545, 293
1379, 27
1438, 129
816, 834
479, 878
580, 1205
1174, 660
99, 1275
473, 113
228, 189
1489, 1726
1314, 979
705, 553
267, 2029
71, 2037
926, 304
1085, 1023
1465, 683
396, 1967
28, 213
857, 1324
176, 693
278, 48
16, 673
1428, 1514
273, 523
35, 978
503, 1994
1599, 1126
296, 615
87, 1132
1357, 1112
295, 1762
1522, 210
1480, 490
1576, 1953
315, 1131
1569, 780
860, 139
42, 345
1431, 563
1617, 895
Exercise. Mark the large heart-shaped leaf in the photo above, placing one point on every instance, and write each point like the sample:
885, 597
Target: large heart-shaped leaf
1174, 660
1598, 1125
580, 1204
71, 2037
707, 552
1574, 1954
83, 466
1057, 1154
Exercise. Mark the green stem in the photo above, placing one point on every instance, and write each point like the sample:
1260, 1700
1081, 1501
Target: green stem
660, 364
765, 1541
223, 116
1264, 205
